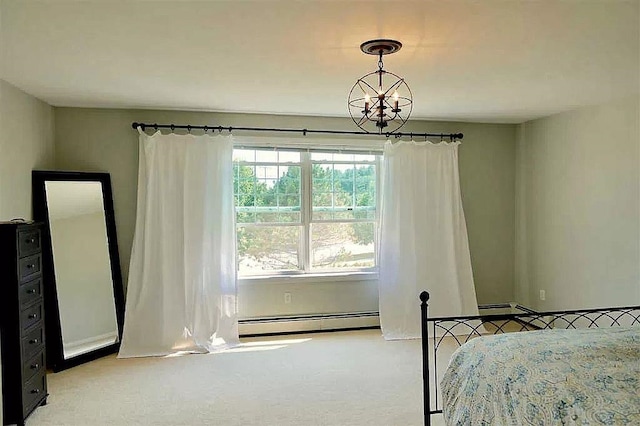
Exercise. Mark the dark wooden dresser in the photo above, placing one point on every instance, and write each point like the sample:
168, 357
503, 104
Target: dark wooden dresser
24, 381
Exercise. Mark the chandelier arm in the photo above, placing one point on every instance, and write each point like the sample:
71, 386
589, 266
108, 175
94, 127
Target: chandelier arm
369, 117
386, 101
399, 116
395, 115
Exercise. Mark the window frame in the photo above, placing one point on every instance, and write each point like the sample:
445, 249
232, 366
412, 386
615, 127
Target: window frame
306, 213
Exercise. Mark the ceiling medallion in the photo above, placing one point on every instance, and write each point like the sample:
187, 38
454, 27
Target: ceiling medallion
381, 101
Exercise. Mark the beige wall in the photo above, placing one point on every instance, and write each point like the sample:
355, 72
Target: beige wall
578, 216
26, 143
102, 140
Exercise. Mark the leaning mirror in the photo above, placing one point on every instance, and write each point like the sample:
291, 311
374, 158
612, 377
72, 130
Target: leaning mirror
83, 293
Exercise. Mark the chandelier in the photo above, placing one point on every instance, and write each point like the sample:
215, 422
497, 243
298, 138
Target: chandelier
381, 100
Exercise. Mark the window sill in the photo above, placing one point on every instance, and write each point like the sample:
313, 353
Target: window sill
307, 278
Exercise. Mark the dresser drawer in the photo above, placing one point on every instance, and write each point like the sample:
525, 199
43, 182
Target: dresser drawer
29, 267
33, 366
30, 316
34, 391
32, 343
28, 242
30, 291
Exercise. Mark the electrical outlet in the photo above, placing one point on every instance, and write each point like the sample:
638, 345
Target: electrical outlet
287, 298
543, 295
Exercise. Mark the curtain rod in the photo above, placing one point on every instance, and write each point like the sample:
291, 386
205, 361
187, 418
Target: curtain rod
189, 127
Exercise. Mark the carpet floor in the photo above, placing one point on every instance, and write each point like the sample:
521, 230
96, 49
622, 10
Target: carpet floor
332, 379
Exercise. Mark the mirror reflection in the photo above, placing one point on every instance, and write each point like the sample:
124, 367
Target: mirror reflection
82, 266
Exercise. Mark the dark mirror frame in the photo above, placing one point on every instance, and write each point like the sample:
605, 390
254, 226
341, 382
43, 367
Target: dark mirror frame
53, 333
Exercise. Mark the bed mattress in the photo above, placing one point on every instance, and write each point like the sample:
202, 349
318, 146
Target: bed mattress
547, 377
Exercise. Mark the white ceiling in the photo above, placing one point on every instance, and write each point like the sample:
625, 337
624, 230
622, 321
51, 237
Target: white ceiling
489, 60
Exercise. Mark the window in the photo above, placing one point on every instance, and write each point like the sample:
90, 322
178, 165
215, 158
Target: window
304, 212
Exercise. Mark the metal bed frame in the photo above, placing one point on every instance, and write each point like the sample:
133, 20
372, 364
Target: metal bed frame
463, 328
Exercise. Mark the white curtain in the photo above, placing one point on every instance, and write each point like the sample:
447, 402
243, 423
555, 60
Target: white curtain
423, 237
181, 295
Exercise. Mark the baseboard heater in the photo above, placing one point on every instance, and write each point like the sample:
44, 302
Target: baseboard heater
516, 308
308, 323
338, 321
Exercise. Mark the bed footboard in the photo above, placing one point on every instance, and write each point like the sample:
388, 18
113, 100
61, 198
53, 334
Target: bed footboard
459, 330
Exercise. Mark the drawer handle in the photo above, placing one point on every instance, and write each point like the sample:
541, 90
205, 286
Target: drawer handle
31, 266
32, 316
34, 366
31, 291
33, 341
30, 241
35, 391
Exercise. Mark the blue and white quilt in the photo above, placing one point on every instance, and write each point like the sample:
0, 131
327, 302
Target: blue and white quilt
547, 377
